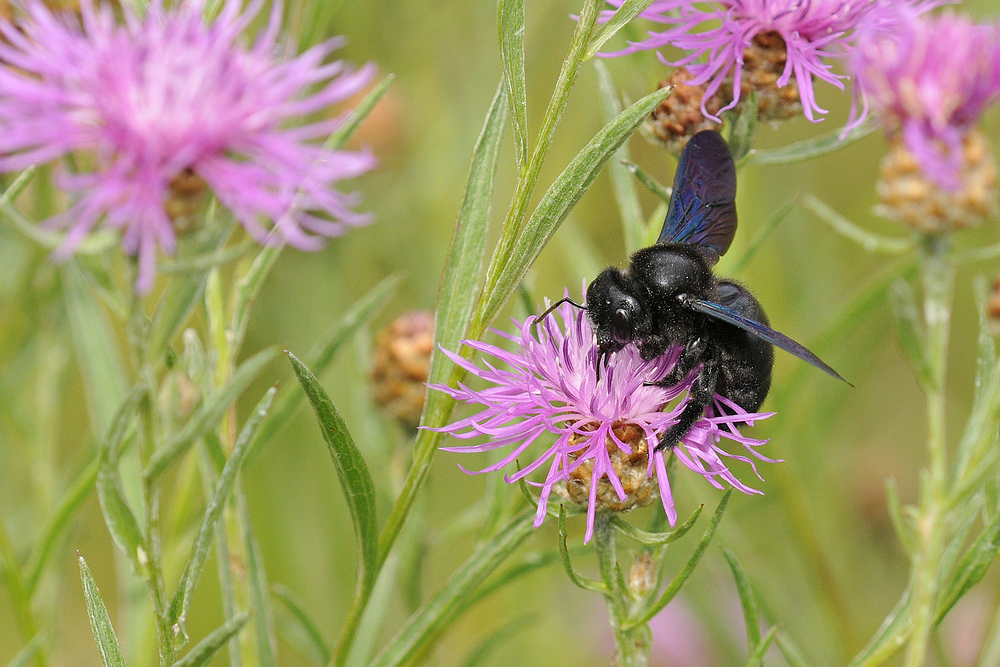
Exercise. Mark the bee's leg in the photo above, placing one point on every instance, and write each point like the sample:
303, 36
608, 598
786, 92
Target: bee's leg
699, 396
690, 357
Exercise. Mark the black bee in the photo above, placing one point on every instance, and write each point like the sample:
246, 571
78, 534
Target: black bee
670, 296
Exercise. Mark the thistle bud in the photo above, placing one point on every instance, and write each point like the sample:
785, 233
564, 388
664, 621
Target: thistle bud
401, 365
910, 196
679, 116
185, 197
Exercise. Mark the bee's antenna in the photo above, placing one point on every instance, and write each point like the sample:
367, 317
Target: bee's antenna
556, 305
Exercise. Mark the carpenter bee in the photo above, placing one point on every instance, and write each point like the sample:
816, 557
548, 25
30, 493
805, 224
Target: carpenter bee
670, 296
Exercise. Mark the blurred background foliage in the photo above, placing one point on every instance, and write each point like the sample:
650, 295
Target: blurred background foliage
818, 546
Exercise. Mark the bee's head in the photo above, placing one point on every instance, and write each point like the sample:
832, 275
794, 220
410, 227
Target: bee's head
617, 311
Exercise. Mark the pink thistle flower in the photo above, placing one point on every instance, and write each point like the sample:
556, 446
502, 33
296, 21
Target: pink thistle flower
814, 32
169, 94
552, 387
932, 77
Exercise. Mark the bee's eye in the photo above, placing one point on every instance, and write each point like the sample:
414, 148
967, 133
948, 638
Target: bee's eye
621, 327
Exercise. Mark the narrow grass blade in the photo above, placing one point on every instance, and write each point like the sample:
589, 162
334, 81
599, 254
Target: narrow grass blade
481, 653
675, 586
352, 470
247, 287
627, 11
648, 182
889, 638
510, 18
308, 628
751, 616
622, 184
263, 616
203, 542
122, 524
209, 414
424, 627
321, 355
100, 623
971, 569
24, 656
57, 523
870, 241
559, 200
578, 581
813, 148
656, 539
358, 114
97, 351
790, 650
757, 655
206, 649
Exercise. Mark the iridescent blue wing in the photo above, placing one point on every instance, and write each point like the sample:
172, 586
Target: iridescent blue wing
703, 203
773, 337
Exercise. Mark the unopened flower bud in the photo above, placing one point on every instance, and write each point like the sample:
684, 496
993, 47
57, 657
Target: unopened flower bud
632, 470
909, 196
642, 576
185, 197
679, 116
401, 365
993, 308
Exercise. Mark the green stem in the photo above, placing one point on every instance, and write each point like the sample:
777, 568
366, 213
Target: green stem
937, 274
528, 178
631, 645
18, 592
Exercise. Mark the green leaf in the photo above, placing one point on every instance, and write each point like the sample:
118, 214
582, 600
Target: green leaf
227, 480
321, 355
119, 517
909, 329
651, 610
481, 653
790, 650
247, 287
358, 114
510, 19
890, 637
456, 296
813, 148
656, 539
870, 241
744, 128
581, 582
309, 630
971, 569
24, 656
71, 501
259, 597
423, 628
751, 616
903, 529
987, 357
209, 414
627, 11
206, 649
650, 183
560, 199
633, 222
100, 623
352, 470
97, 350
207, 261
757, 656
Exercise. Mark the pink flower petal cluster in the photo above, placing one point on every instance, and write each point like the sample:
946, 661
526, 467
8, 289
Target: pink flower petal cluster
551, 386
816, 32
172, 92
933, 75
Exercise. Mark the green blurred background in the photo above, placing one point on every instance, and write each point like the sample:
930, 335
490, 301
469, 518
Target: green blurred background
838, 443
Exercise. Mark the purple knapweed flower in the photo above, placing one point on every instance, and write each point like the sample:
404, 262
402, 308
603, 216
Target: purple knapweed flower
814, 32
552, 387
931, 76
173, 94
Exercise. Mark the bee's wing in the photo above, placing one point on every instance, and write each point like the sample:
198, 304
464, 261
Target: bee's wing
703, 202
773, 337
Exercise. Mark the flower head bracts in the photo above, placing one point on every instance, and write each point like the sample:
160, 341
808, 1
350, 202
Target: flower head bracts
172, 93
814, 32
932, 76
552, 387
